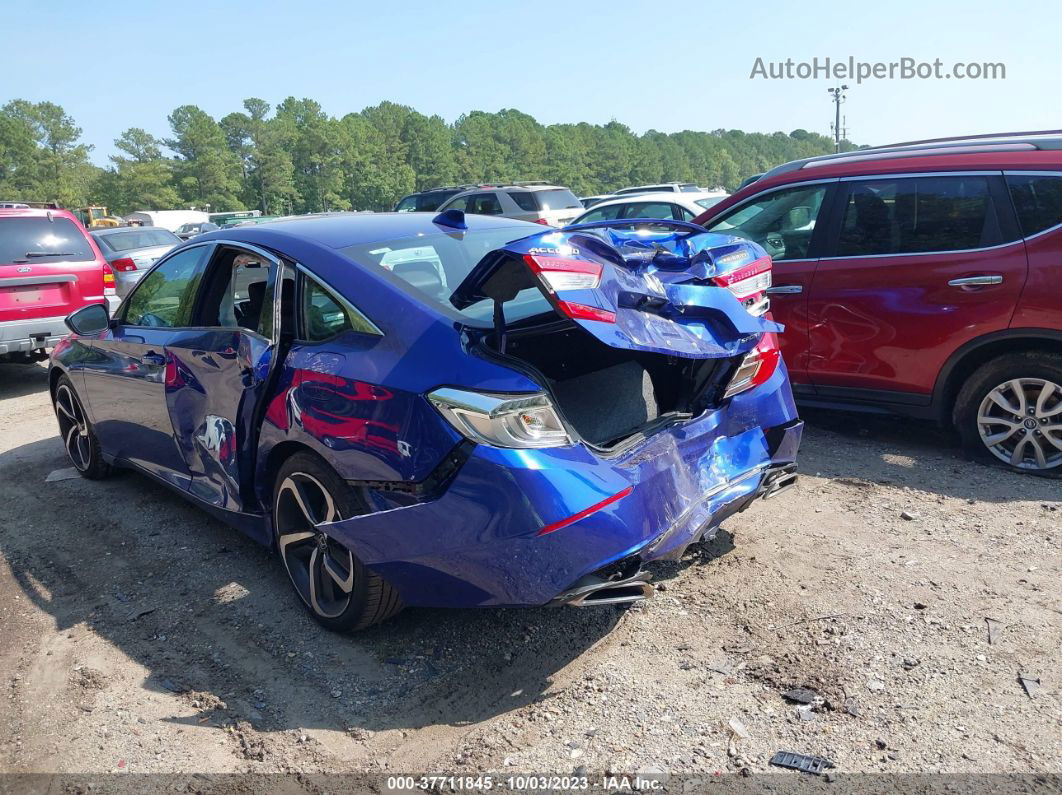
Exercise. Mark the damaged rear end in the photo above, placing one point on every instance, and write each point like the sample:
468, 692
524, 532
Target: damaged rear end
663, 408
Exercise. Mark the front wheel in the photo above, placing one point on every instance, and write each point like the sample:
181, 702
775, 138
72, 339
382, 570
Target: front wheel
76, 431
337, 589
1010, 410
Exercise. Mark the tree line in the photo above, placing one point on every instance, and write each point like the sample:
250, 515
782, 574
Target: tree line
295, 158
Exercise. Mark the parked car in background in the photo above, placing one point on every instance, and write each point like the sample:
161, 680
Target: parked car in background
188, 231
749, 180
49, 267
590, 201
401, 442
662, 187
167, 219
427, 201
549, 205
922, 279
131, 250
674, 206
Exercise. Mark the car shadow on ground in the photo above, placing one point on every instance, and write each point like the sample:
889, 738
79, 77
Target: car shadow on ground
210, 614
914, 453
18, 380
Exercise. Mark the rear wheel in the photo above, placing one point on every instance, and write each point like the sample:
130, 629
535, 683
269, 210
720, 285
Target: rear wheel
1010, 410
76, 432
337, 589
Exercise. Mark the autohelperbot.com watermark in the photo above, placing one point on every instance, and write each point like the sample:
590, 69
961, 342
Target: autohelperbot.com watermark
851, 69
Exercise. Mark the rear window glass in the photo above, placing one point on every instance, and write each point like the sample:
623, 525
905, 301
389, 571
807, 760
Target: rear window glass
137, 238
1038, 200
524, 199
914, 215
432, 267
41, 240
561, 199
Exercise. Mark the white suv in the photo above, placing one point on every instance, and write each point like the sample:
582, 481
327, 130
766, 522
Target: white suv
548, 205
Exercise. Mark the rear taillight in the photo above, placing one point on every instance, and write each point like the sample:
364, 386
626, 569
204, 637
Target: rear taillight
125, 264
560, 274
748, 280
543, 221
108, 280
758, 365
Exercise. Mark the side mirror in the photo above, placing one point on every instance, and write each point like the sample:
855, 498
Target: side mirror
88, 320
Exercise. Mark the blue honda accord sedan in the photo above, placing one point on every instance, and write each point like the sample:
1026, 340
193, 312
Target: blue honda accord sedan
441, 410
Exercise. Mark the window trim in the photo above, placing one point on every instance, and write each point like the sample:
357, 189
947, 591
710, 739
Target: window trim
837, 216
302, 273
1031, 173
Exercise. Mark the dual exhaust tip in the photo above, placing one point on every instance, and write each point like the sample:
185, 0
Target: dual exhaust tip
592, 591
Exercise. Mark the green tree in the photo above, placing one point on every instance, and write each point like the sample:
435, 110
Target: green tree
140, 178
207, 172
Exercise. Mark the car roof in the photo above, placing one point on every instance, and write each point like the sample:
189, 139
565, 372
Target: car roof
341, 230
113, 230
686, 197
33, 212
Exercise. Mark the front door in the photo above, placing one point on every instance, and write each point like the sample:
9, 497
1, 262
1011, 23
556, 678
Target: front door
219, 371
917, 265
126, 379
786, 222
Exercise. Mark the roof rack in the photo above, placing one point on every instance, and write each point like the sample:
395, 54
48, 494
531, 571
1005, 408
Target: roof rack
994, 142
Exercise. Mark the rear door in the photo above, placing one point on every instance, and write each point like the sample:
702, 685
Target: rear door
48, 267
917, 265
786, 221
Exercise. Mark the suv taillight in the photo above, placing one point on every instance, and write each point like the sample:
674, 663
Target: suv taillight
543, 221
758, 365
108, 280
749, 284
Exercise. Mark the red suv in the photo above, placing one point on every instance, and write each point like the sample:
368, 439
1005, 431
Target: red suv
922, 279
49, 267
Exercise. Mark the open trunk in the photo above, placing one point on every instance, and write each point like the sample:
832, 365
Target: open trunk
610, 395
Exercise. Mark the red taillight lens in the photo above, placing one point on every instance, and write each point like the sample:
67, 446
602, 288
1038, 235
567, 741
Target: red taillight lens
748, 280
564, 273
758, 365
125, 264
584, 312
575, 517
542, 221
108, 280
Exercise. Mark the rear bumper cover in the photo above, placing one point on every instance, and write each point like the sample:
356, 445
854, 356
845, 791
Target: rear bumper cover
24, 336
478, 543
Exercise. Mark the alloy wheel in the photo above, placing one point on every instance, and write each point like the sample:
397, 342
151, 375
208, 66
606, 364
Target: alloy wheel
73, 427
1020, 422
321, 568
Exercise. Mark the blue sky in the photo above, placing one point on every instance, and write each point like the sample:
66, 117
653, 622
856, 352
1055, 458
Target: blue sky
668, 66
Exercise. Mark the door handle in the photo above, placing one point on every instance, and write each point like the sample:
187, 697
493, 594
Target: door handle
977, 281
786, 289
153, 358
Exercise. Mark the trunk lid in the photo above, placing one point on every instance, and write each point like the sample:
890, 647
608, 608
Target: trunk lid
48, 267
632, 290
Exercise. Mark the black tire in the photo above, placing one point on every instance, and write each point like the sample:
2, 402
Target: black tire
320, 568
1021, 396
75, 431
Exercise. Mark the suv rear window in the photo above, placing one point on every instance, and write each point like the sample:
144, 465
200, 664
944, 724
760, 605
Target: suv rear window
1038, 200
424, 202
40, 240
432, 267
916, 215
559, 199
524, 199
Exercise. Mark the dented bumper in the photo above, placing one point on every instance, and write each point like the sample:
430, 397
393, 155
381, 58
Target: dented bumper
479, 543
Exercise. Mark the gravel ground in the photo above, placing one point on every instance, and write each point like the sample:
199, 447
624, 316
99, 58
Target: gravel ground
140, 635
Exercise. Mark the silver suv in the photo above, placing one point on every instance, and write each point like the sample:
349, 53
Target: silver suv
548, 205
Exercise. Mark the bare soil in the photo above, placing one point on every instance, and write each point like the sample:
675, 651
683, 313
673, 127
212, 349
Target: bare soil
137, 634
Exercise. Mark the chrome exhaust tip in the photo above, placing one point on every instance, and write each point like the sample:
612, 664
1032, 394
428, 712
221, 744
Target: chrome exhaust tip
593, 590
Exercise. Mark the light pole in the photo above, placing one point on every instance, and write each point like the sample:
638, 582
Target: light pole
838, 97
